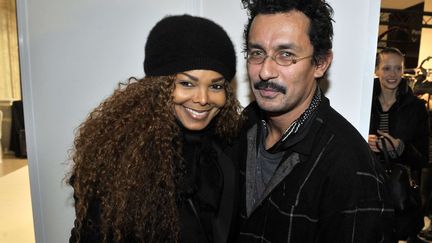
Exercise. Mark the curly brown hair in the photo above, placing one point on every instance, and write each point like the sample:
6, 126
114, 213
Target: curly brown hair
127, 159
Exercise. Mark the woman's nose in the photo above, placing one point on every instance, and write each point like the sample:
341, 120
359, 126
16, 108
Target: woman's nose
201, 96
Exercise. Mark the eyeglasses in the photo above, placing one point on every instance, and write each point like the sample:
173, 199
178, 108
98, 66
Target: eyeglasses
282, 58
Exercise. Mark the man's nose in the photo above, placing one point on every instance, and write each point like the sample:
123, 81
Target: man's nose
268, 69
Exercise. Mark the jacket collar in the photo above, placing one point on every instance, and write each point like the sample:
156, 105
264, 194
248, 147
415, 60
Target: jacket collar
300, 142
295, 153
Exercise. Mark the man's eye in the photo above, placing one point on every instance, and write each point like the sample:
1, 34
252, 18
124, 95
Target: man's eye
285, 55
256, 53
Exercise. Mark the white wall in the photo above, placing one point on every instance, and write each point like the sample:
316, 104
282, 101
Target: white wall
354, 46
73, 53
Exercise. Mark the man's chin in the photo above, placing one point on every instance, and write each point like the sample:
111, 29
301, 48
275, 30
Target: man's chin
272, 108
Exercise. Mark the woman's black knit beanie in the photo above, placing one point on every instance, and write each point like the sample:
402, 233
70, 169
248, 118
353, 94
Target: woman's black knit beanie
183, 42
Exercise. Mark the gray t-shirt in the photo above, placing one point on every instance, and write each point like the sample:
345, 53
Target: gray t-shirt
266, 166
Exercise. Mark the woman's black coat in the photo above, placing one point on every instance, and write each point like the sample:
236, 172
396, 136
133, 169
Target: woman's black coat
408, 121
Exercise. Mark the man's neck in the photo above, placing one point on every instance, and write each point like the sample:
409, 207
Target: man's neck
278, 124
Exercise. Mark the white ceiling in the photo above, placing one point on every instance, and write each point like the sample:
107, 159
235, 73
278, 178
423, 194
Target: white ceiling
399, 4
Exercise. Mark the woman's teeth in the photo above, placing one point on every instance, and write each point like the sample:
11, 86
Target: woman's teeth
197, 114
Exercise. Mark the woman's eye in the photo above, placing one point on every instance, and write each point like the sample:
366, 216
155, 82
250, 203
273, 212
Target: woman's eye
185, 83
217, 86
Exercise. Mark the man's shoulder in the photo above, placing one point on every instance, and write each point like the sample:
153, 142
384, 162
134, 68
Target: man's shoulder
347, 143
348, 154
251, 109
339, 125
252, 114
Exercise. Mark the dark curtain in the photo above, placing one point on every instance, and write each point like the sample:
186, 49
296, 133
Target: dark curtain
17, 138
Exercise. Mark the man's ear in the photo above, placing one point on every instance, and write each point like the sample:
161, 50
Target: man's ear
323, 64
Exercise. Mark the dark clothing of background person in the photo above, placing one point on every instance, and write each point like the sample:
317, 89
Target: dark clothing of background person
408, 121
327, 188
210, 183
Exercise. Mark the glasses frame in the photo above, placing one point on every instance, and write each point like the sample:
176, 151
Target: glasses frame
294, 60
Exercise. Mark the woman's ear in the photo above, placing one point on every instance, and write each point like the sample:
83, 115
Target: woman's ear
376, 71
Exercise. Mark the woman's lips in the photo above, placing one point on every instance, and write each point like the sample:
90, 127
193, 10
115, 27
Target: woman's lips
196, 114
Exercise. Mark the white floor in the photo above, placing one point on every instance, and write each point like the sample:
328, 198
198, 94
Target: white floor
16, 221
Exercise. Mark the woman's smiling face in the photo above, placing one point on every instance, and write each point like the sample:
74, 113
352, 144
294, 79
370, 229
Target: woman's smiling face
390, 70
198, 97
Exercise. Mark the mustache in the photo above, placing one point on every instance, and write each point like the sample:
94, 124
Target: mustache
270, 85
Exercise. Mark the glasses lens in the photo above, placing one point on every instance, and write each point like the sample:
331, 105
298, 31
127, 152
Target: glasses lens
283, 60
255, 59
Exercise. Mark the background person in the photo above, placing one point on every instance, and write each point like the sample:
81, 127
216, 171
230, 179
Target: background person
400, 116
150, 162
307, 174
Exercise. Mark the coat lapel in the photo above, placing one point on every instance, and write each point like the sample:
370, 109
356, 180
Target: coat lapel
222, 222
281, 172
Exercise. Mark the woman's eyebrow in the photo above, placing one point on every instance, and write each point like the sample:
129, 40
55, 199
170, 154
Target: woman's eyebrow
190, 76
217, 79
196, 79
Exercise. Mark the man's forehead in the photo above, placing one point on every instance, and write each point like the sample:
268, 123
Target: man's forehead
279, 31
283, 45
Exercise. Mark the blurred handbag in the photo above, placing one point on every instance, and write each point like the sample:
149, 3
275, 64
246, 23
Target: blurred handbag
405, 193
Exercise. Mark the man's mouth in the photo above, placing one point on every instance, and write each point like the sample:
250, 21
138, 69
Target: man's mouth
266, 86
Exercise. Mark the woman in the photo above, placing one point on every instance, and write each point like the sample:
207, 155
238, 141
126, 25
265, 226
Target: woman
150, 163
398, 115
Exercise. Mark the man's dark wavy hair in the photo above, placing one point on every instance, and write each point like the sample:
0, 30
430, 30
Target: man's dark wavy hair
318, 11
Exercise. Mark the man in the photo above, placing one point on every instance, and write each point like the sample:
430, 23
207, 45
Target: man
309, 175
